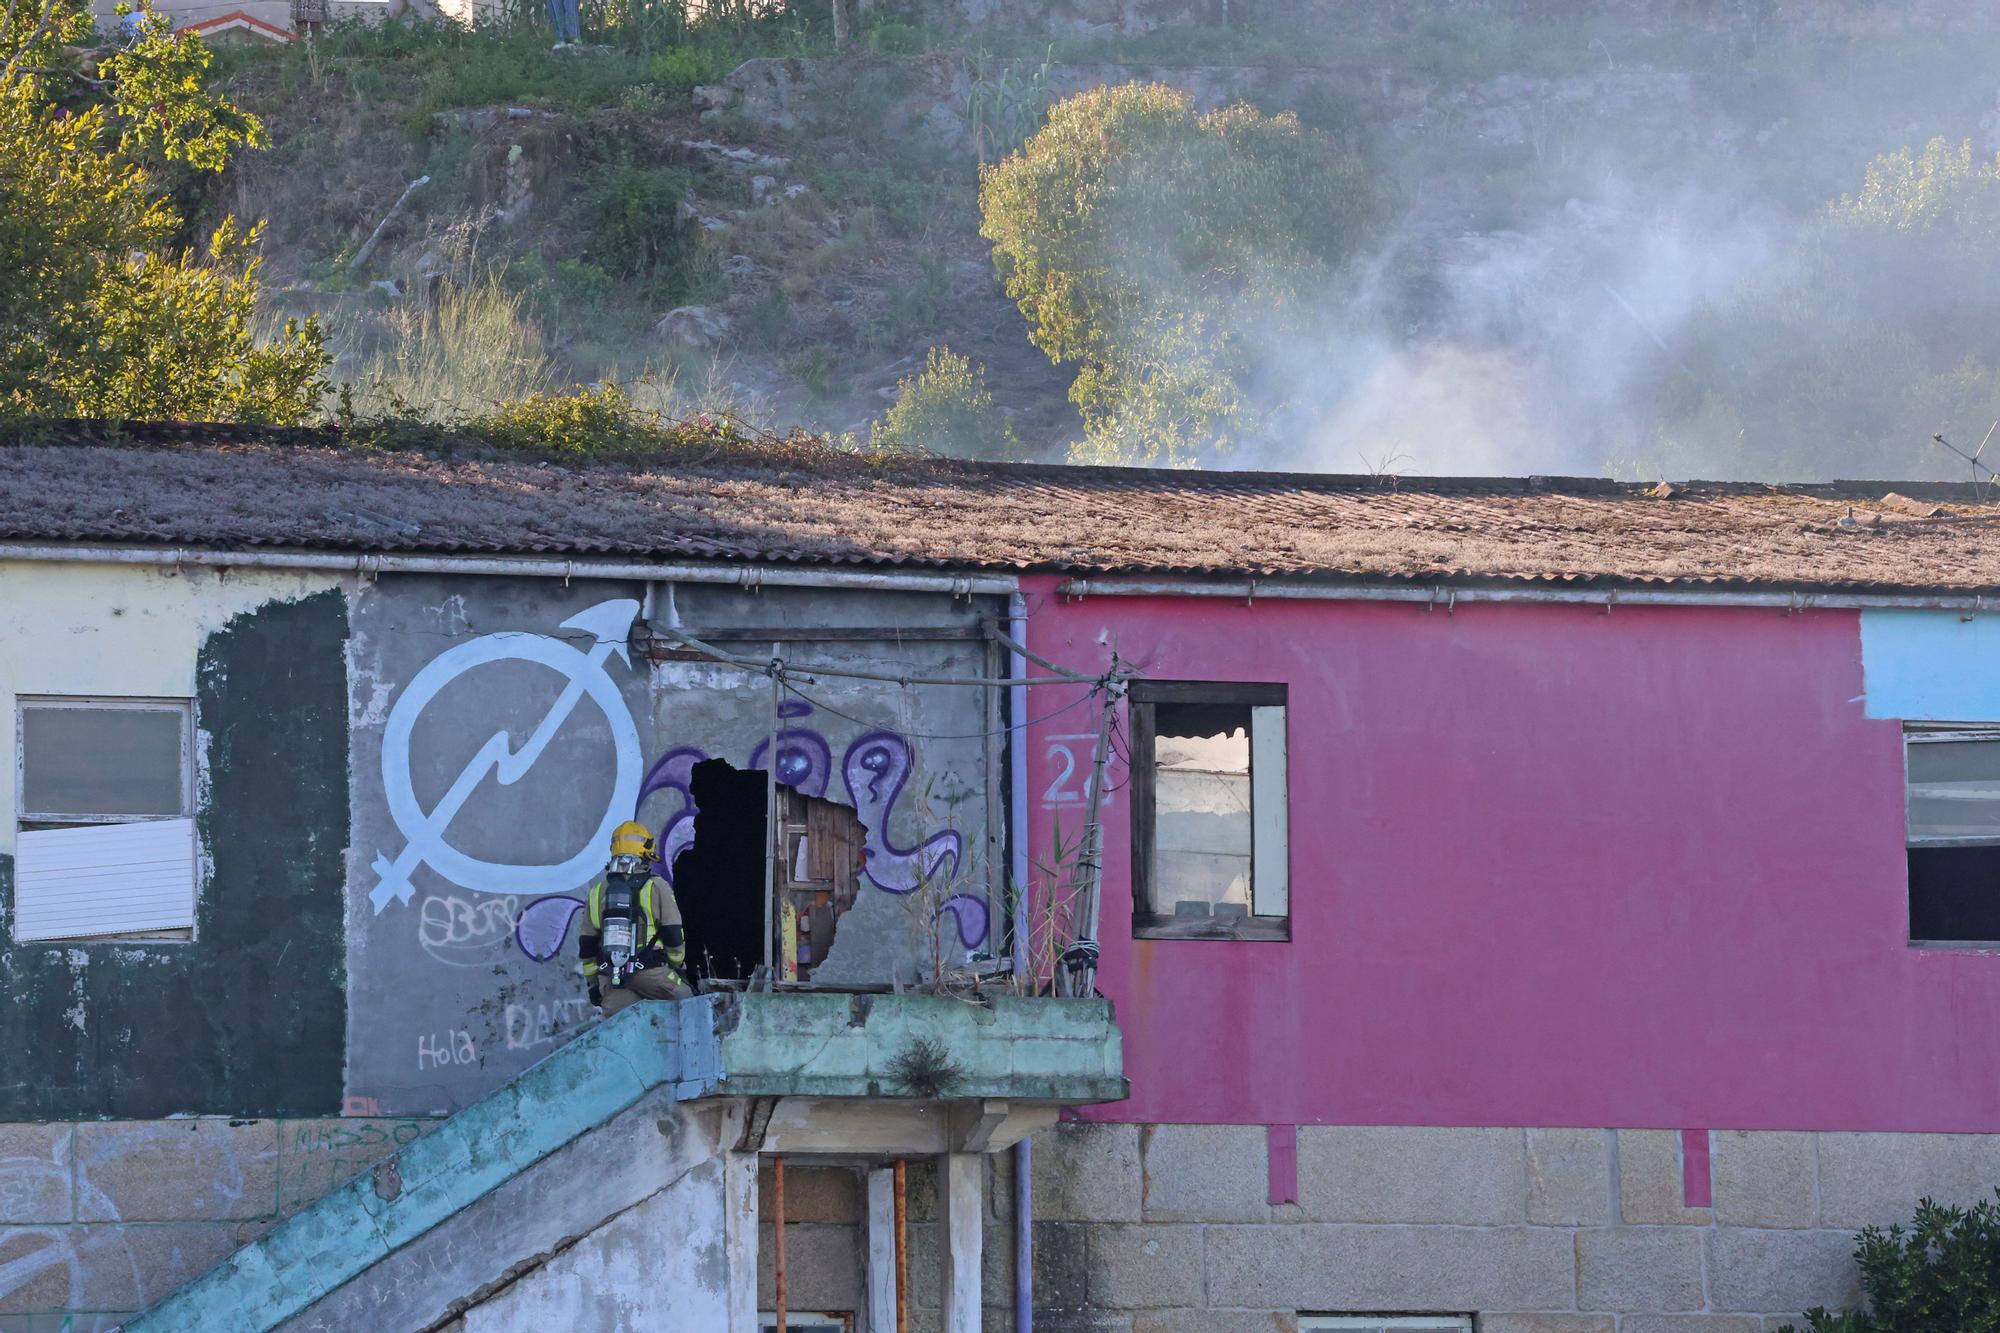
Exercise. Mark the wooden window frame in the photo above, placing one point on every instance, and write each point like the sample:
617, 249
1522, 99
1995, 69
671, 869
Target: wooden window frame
1141, 696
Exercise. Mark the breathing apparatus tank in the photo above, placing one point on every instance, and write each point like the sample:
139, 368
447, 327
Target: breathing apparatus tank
619, 935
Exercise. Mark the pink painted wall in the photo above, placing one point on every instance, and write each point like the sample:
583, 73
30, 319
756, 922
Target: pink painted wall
1550, 866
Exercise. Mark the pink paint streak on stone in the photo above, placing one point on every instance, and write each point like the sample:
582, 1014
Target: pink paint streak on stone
1697, 1182
1282, 1149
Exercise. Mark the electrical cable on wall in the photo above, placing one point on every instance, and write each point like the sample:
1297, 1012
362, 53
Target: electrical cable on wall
822, 705
1060, 676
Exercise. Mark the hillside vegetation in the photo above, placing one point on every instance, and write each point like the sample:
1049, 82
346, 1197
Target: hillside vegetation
1567, 245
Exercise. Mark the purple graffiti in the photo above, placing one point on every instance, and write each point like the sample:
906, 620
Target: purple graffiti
876, 767
674, 772
544, 924
971, 915
805, 760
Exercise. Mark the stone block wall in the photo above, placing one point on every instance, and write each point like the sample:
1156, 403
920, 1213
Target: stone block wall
1161, 1228
102, 1218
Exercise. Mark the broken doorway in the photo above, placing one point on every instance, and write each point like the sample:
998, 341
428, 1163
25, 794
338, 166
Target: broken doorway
719, 877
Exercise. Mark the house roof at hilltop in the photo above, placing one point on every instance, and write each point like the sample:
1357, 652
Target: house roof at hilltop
247, 488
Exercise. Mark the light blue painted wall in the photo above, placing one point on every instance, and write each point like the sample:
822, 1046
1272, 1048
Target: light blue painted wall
1931, 666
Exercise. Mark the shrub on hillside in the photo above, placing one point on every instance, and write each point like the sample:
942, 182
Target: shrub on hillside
944, 409
1943, 1273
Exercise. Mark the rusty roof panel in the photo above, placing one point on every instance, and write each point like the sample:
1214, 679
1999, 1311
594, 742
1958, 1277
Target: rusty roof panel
246, 487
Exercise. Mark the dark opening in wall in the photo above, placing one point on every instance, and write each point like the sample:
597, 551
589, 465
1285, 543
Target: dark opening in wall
1952, 776
1955, 894
719, 879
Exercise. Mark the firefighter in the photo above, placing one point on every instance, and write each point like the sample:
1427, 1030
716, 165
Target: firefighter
648, 961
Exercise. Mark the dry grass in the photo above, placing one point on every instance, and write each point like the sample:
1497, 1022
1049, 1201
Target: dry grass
466, 350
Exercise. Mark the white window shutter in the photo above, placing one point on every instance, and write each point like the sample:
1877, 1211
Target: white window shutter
1270, 797
104, 879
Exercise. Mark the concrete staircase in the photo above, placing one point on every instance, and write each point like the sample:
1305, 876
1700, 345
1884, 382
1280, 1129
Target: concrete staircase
614, 1185
583, 1194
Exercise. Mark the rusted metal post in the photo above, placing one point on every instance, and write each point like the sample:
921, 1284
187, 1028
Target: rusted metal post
778, 1234
902, 1249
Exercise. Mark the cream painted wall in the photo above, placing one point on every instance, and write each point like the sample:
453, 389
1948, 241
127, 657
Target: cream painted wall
132, 630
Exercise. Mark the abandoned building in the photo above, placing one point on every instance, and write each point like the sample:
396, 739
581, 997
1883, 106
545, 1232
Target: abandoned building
1121, 900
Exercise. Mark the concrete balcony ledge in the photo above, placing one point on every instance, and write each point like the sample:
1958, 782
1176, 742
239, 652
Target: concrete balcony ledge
1056, 1052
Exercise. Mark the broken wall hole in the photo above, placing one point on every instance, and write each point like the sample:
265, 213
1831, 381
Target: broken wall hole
719, 877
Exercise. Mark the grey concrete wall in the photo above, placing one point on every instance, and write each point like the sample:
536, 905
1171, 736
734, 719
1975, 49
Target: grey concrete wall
826, 1239
462, 898
660, 1264
102, 1218
1163, 1228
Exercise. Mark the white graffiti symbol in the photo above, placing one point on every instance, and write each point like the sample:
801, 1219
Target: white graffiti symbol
466, 932
607, 623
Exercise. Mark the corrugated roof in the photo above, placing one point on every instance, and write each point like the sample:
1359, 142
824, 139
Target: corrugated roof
237, 487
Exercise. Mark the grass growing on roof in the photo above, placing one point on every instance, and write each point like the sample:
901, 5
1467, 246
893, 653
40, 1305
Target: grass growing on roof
600, 423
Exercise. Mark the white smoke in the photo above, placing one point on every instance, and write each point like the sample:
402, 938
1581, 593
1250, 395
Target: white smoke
1534, 348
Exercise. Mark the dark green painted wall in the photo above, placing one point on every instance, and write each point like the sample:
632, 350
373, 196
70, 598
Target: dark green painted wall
250, 1018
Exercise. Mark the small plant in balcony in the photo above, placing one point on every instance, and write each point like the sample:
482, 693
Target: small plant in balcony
1942, 1273
924, 1068
1054, 901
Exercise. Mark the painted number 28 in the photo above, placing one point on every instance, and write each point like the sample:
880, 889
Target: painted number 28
1071, 784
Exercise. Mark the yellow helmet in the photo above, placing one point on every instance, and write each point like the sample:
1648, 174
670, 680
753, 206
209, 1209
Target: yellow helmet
631, 839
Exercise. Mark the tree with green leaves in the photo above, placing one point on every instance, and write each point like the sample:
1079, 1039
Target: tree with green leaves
101, 315
1166, 252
